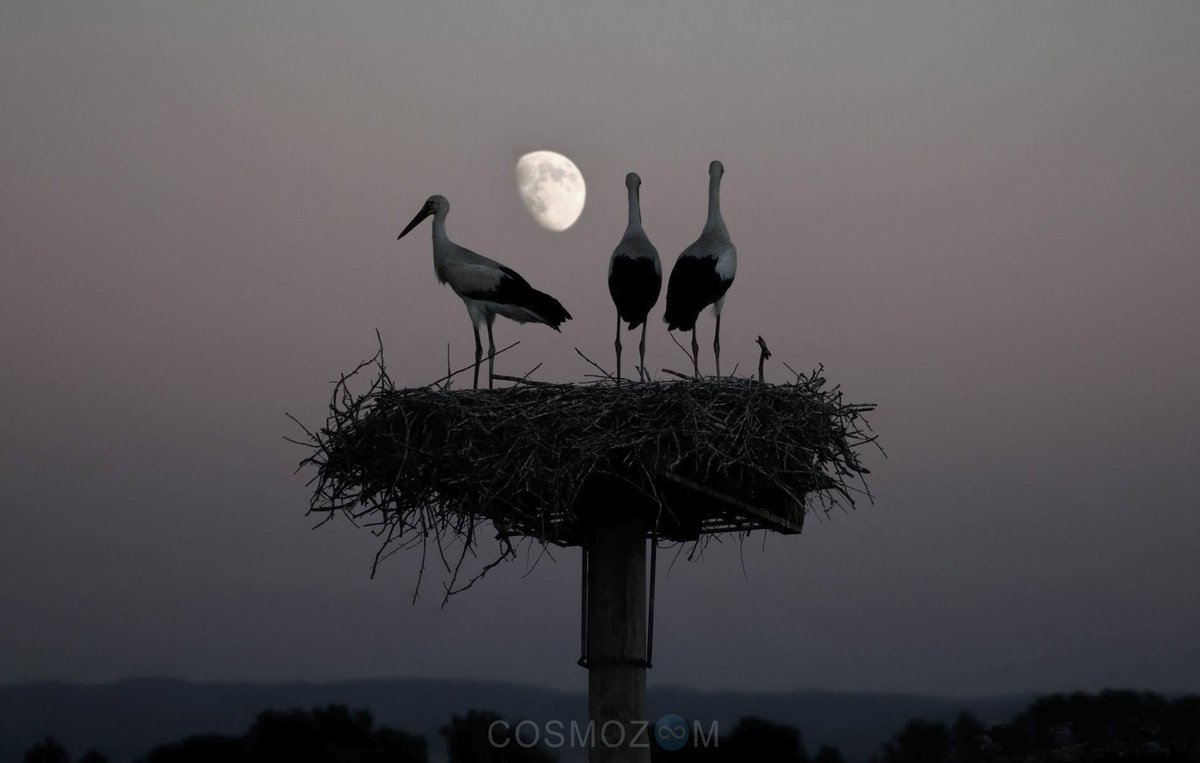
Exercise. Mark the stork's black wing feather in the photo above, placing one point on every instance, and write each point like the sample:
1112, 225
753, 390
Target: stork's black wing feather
693, 286
634, 284
513, 289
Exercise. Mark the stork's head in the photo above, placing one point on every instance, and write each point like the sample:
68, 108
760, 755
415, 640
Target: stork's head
716, 169
434, 205
632, 180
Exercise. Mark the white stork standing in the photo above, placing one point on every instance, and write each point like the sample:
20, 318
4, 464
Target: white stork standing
634, 276
703, 273
486, 287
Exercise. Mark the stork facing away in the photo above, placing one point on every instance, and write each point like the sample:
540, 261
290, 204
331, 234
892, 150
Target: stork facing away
703, 273
486, 287
634, 276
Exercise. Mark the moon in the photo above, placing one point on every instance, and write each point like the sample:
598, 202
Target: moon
552, 188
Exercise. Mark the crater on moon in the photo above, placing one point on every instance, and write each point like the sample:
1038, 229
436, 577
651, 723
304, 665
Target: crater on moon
552, 188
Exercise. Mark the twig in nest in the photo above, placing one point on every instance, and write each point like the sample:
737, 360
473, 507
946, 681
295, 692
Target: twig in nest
763, 356
531, 371
522, 380
686, 352
595, 365
448, 376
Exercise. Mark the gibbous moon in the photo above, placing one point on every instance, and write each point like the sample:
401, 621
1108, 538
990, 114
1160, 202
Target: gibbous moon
552, 188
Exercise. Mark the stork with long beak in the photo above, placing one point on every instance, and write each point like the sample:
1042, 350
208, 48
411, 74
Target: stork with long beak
486, 287
703, 273
634, 275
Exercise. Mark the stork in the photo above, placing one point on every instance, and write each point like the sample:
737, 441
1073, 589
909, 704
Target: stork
486, 287
634, 276
703, 273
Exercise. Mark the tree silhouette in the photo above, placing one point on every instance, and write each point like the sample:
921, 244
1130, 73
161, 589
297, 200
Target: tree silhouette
333, 734
762, 740
1108, 725
291, 735
49, 750
828, 754
967, 739
919, 742
200, 748
330, 735
1113, 726
92, 756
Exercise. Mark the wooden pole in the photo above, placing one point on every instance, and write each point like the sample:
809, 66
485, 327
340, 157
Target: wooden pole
616, 642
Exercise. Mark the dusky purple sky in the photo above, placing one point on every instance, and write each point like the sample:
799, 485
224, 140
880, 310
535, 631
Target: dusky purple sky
985, 217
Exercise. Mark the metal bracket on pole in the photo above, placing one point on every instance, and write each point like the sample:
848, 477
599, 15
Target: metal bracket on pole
584, 661
583, 609
650, 601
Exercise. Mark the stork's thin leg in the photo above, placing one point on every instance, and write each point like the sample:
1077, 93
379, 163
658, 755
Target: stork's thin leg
491, 352
618, 346
695, 354
717, 345
642, 355
478, 354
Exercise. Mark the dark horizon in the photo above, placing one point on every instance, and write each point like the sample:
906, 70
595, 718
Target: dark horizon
858, 724
169, 710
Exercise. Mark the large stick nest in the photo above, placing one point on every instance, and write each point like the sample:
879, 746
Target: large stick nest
547, 461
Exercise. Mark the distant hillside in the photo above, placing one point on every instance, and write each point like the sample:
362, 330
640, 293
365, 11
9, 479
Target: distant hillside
126, 718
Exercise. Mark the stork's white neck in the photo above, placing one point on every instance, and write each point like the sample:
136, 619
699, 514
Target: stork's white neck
441, 245
715, 224
439, 226
635, 211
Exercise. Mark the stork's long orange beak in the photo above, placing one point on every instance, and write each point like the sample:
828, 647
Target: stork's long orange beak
426, 211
